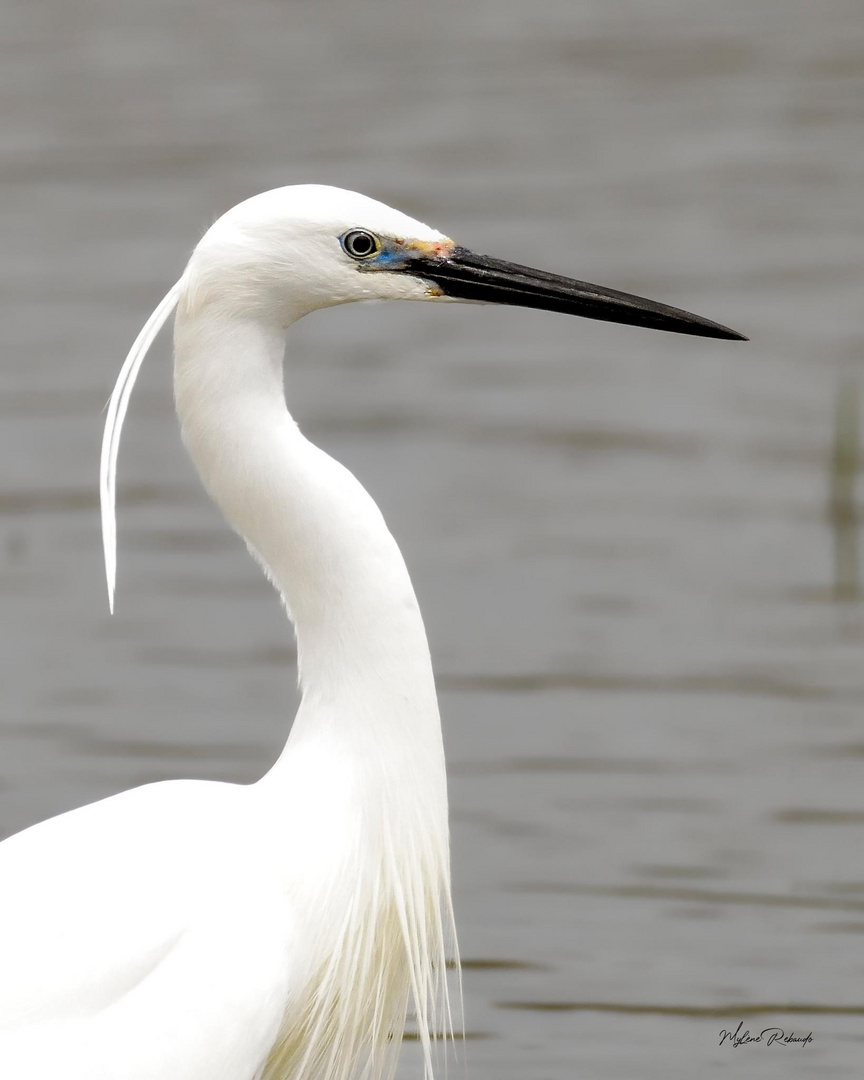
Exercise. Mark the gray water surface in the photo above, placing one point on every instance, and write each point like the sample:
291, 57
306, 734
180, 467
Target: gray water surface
651, 675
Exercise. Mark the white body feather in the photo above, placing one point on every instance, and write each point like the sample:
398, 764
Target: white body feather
201, 931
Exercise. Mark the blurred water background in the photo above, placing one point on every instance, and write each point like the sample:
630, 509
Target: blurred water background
636, 560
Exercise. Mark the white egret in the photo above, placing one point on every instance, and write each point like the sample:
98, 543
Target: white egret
190, 930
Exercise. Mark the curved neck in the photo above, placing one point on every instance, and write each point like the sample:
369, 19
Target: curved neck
362, 651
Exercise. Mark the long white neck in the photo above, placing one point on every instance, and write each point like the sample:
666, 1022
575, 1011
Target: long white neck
364, 661
368, 720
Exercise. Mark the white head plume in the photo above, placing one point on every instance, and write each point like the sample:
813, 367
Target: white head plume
116, 414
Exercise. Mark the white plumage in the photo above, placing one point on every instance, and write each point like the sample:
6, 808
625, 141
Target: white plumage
204, 931
194, 931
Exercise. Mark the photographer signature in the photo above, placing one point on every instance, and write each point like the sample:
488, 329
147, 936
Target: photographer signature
771, 1036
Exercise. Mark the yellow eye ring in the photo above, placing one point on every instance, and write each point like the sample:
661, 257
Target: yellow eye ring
360, 244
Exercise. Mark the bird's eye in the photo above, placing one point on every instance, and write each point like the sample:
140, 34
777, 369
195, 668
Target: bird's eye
360, 244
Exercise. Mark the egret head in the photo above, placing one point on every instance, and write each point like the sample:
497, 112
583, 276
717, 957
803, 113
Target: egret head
284, 253
296, 249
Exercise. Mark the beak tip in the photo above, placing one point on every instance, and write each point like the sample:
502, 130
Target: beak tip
725, 334
696, 325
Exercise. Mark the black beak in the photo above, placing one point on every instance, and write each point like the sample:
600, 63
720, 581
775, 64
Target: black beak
466, 276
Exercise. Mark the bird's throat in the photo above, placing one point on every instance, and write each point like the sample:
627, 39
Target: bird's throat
363, 656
